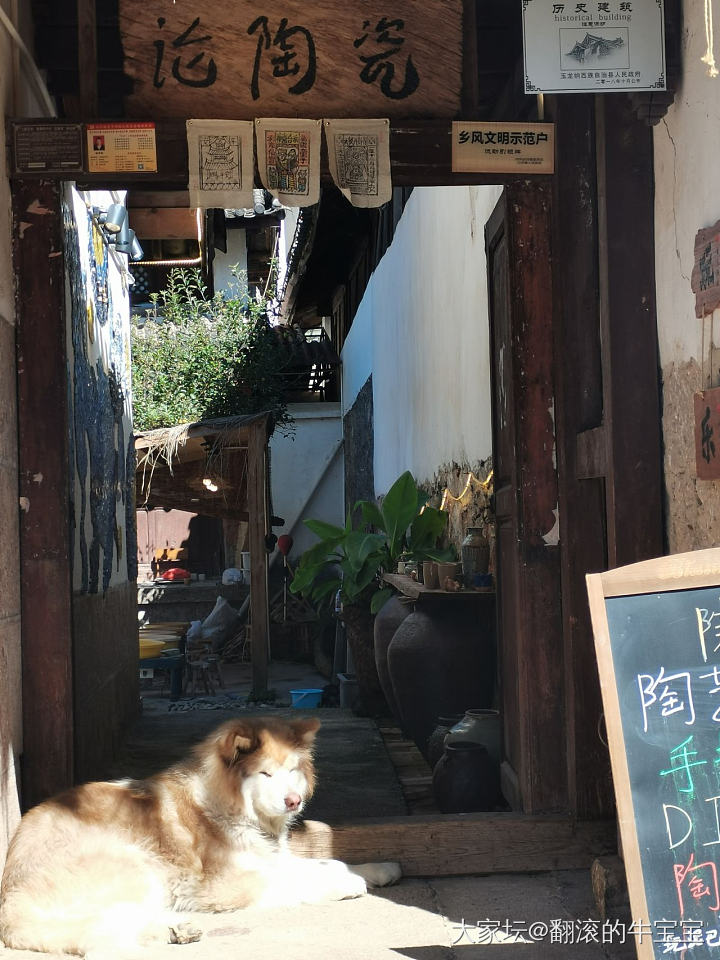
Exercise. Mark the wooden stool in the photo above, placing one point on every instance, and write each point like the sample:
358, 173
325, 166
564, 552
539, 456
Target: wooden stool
213, 662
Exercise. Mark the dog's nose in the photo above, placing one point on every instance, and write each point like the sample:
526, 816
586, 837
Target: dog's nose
292, 801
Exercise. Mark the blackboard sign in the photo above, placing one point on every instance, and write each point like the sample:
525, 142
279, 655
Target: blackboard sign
657, 638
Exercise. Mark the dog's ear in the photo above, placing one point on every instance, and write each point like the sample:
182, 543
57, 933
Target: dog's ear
305, 730
236, 742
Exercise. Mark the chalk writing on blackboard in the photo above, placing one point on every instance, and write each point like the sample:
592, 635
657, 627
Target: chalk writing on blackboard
666, 658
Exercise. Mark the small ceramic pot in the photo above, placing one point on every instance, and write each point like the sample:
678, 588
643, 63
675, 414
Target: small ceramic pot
430, 574
465, 779
478, 726
447, 571
436, 740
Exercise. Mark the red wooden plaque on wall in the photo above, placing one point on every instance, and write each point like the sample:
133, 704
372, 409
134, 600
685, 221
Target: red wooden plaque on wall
707, 434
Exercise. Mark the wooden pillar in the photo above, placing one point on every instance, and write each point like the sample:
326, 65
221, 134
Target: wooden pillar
258, 529
580, 442
628, 323
607, 404
45, 536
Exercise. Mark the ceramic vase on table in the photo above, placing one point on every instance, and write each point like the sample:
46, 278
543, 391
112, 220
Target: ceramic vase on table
475, 553
465, 779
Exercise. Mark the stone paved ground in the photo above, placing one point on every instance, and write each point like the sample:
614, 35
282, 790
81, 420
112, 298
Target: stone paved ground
418, 919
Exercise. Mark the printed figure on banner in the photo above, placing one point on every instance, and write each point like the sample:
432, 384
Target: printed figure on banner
220, 162
357, 163
288, 161
359, 160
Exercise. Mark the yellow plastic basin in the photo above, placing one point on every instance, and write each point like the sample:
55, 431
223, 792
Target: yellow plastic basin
150, 648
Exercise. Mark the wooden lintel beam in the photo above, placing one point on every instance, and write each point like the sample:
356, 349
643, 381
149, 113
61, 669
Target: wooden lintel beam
157, 198
164, 223
420, 155
87, 58
461, 844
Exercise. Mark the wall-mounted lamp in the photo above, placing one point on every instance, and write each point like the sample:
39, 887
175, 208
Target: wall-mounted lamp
116, 228
114, 219
136, 251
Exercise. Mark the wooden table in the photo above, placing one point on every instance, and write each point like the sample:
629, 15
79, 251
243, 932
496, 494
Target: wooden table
424, 596
175, 666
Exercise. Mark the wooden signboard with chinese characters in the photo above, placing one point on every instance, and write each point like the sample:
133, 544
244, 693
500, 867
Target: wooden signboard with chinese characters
657, 640
503, 147
705, 280
236, 59
707, 434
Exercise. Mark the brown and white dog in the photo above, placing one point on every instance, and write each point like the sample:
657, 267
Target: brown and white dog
96, 870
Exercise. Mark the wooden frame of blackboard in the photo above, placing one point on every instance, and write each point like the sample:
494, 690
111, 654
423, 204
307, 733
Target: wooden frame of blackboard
687, 571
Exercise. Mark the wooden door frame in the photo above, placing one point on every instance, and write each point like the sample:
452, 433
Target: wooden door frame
603, 188
523, 216
44, 479
608, 417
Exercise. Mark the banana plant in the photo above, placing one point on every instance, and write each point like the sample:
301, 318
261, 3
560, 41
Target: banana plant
352, 560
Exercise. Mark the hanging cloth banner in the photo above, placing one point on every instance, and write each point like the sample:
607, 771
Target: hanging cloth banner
220, 161
288, 156
359, 157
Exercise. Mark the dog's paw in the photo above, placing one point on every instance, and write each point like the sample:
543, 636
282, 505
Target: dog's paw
184, 933
340, 882
352, 886
379, 874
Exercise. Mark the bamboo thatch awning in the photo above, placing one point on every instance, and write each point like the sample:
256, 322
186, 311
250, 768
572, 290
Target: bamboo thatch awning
199, 467
217, 468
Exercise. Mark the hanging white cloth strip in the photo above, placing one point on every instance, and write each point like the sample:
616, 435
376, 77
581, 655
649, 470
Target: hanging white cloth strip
359, 158
288, 156
709, 57
220, 160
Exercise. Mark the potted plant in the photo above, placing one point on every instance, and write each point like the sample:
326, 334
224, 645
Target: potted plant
350, 561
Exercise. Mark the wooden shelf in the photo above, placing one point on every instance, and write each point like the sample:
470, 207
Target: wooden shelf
418, 591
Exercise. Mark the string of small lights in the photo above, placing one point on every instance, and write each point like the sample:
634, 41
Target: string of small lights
449, 497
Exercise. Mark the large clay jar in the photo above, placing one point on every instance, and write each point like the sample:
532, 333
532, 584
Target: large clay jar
387, 620
465, 779
436, 740
479, 726
441, 663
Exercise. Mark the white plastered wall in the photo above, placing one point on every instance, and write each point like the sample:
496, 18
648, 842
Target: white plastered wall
307, 471
422, 331
687, 144
109, 344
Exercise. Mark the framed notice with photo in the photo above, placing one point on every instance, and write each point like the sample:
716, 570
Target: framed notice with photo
593, 46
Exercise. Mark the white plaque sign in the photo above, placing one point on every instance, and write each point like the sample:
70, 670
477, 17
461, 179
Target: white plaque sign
593, 46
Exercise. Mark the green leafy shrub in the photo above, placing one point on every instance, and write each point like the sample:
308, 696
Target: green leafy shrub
352, 560
198, 357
